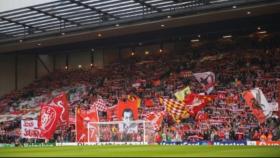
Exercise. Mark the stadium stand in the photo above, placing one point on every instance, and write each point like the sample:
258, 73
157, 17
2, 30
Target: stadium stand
227, 117
167, 72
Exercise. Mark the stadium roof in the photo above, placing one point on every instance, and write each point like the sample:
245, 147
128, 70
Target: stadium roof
63, 16
15, 4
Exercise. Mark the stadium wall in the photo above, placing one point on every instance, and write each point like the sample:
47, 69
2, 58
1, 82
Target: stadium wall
7, 76
26, 70
17, 71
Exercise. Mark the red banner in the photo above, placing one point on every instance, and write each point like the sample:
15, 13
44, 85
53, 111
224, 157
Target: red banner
61, 101
127, 110
48, 119
83, 133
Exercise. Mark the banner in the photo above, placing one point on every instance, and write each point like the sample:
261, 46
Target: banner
29, 129
61, 101
231, 143
207, 80
180, 95
127, 111
268, 143
83, 133
6, 145
257, 102
49, 117
39, 145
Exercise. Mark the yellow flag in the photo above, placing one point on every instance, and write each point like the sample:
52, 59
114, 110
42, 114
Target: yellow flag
180, 95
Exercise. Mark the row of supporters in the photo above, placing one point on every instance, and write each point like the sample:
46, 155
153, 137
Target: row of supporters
56, 113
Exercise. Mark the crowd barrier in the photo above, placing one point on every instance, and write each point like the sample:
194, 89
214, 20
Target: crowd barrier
215, 143
101, 143
263, 143
6, 145
38, 144
198, 143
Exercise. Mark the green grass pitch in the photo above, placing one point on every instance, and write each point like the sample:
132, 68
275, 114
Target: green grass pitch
143, 151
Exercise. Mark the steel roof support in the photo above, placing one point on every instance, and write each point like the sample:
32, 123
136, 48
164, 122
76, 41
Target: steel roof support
106, 14
22, 24
143, 3
55, 16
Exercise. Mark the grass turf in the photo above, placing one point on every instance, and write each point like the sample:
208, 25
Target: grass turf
142, 151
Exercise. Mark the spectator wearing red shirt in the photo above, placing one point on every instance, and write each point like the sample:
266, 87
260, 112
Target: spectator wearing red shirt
158, 138
256, 136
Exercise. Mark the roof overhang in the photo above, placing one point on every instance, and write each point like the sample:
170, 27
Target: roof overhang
203, 18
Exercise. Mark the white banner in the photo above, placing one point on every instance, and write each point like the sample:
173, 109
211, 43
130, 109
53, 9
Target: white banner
207, 80
29, 129
274, 106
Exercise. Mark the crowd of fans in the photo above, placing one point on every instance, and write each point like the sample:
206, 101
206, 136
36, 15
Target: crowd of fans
224, 118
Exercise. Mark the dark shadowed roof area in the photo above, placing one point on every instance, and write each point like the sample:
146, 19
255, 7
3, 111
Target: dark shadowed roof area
75, 15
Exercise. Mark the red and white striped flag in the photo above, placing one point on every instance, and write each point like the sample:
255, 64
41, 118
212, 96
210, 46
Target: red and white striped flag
156, 119
100, 105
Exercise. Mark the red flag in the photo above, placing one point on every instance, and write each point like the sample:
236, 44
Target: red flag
194, 102
61, 101
156, 119
189, 98
128, 108
83, 133
48, 119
